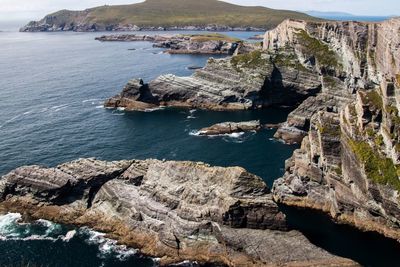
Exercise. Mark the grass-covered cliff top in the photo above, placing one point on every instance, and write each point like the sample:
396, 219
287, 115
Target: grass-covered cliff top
212, 37
164, 13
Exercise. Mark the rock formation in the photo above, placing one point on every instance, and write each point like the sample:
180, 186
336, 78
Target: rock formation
246, 81
231, 127
348, 163
187, 43
173, 210
346, 77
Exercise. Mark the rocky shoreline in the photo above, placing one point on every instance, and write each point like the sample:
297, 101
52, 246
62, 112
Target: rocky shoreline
212, 43
172, 210
343, 78
38, 26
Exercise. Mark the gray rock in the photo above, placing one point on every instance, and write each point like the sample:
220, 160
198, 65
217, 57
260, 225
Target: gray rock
173, 210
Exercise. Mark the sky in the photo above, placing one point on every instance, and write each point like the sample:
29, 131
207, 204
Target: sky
36, 9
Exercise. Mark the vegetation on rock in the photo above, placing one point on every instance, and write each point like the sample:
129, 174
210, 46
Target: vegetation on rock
253, 59
378, 168
321, 51
168, 13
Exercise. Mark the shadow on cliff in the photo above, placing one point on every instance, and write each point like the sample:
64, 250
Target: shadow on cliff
277, 92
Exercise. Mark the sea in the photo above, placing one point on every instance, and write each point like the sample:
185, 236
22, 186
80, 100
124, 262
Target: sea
52, 88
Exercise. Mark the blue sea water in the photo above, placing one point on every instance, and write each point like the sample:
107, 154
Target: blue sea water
52, 86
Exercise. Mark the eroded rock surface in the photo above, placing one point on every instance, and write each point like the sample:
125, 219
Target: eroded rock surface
172, 210
187, 43
231, 127
246, 81
348, 163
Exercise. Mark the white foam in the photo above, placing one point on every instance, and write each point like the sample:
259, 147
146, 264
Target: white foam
69, 236
10, 120
59, 106
8, 223
231, 135
120, 109
191, 117
99, 107
90, 100
50, 226
107, 246
154, 109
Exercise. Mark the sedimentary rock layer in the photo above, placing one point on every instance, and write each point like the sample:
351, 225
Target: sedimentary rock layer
246, 81
173, 210
186, 43
348, 163
231, 127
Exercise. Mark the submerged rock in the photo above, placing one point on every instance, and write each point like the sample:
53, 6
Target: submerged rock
231, 127
172, 210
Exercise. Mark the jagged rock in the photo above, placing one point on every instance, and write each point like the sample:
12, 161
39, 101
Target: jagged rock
248, 81
173, 210
185, 43
231, 127
347, 163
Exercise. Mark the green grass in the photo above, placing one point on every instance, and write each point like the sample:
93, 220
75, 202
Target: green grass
321, 51
378, 169
213, 37
373, 99
164, 13
250, 60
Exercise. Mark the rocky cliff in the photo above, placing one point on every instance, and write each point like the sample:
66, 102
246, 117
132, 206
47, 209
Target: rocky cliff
246, 81
173, 210
346, 77
348, 163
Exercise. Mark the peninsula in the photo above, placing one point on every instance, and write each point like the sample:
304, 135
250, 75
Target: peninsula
210, 15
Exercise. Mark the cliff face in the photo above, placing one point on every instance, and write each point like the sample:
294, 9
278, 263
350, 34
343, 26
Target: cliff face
247, 81
348, 163
173, 210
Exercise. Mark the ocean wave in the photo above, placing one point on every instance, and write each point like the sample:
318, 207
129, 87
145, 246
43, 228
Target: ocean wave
11, 228
91, 100
154, 109
231, 135
117, 113
106, 246
10, 120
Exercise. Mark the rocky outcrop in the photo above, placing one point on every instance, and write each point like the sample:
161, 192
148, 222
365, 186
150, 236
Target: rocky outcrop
230, 128
347, 165
173, 210
187, 43
247, 81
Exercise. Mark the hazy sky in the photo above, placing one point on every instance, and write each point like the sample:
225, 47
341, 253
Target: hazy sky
36, 9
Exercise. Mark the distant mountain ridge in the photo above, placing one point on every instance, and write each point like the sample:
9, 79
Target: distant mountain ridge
166, 14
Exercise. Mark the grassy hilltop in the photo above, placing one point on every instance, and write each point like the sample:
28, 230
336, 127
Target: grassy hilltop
166, 13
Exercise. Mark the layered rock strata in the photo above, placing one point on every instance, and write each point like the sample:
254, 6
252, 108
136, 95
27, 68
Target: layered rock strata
348, 163
230, 128
247, 81
185, 43
173, 210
